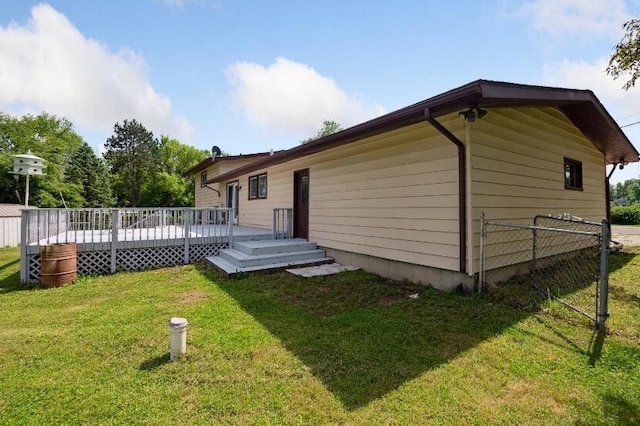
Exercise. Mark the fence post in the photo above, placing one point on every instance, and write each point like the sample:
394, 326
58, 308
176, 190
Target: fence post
187, 232
482, 243
603, 293
534, 254
274, 225
24, 243
115, 222
230, 231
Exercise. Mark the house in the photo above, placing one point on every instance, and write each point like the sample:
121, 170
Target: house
620, 202
402, 195
209, 194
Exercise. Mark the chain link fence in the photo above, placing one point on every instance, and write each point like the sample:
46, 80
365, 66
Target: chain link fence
564, 258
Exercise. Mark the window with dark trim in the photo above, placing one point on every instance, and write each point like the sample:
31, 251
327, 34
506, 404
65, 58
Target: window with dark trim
203, 178
258, 186
572, 174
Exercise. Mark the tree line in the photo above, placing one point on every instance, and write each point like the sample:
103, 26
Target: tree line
627, 192
137, 169
625, 200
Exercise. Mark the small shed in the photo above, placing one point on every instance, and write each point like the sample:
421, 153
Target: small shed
10, 218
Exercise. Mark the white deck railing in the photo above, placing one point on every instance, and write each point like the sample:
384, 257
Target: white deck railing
282, 227
108, 231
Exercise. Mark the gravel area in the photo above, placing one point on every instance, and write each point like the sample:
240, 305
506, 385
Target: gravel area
627, 235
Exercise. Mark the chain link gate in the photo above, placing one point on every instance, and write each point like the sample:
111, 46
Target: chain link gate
566, 259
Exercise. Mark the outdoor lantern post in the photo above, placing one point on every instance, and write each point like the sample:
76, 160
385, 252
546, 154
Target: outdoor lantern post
27, 164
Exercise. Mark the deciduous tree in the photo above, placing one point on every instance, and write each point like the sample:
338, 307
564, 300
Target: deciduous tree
47, 136
625, 60
329, 127
169, 187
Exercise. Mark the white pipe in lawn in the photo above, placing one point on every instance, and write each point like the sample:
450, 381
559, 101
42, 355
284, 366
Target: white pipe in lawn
178, 329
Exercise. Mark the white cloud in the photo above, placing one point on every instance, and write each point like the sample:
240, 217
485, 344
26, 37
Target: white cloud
592, 76
177, 3
622, 105
294, 98
47, 64
588, 18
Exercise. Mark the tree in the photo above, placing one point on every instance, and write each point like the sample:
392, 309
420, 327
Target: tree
625, 60
91, 174
632, 190
168, 187
616, 191
132, 157
629, 190
329, 127
47, 136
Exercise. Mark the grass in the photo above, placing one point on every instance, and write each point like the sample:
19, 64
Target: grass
277, 349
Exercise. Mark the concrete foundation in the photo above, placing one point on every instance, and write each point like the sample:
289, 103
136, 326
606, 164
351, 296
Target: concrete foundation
437, 278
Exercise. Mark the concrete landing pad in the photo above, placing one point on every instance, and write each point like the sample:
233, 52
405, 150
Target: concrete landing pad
327, 269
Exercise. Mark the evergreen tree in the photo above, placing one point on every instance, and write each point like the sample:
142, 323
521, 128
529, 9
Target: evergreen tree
91, 174
132, 157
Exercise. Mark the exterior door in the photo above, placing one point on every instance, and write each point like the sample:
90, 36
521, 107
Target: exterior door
301, 204
233, 199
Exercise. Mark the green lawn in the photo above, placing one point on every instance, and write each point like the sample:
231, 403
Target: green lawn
277, 349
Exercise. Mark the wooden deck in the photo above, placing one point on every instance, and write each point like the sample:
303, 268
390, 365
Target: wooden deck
148, 237
110, 240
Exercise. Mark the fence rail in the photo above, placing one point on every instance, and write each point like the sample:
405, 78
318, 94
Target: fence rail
565, 257
127, 239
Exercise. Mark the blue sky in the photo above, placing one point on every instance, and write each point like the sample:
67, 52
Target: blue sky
249, 76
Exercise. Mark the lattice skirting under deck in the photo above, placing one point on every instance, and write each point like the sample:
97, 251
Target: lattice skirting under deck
149, 258
99, 262
94, 262
199, 252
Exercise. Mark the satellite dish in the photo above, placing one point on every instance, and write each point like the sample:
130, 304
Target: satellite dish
215, 152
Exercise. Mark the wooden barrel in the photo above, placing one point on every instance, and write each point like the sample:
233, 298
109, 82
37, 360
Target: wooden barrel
58, 264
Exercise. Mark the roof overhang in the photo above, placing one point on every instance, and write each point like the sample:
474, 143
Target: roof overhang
581, 107
207, 162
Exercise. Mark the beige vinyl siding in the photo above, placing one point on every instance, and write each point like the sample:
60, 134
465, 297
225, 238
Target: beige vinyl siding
258, 212
228, 165
393, 195
517, 168
205, 197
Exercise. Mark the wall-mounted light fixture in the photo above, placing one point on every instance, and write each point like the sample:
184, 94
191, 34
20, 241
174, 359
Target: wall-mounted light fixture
622, 163
472, 113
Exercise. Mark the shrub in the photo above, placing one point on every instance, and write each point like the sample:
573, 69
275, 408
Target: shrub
625, 215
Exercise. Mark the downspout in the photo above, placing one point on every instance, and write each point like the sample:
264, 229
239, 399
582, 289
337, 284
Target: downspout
607, 192
462, 186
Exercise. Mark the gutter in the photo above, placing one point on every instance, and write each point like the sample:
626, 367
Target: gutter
462, 185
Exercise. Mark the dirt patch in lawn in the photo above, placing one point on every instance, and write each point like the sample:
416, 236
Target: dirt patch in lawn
405, 290
193, 297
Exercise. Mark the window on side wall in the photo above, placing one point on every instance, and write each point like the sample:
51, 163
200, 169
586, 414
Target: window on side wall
572, 174
258, 186
203, 179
